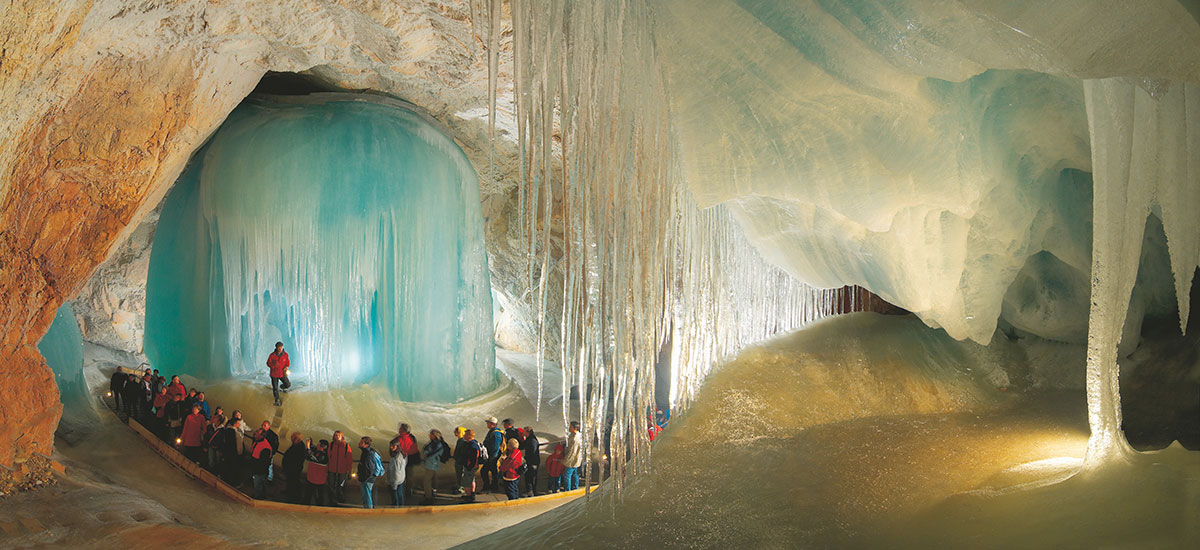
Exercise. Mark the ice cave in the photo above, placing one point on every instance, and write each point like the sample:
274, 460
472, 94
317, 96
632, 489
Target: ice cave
805, 274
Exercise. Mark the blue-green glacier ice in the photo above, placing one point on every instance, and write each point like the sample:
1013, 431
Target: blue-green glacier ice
347, 227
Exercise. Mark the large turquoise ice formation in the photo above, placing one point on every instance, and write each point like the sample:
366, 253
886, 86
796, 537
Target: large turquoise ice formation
62, 346
347, 227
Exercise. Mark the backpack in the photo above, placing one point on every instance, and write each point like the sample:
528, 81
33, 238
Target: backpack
445, 454
376, 464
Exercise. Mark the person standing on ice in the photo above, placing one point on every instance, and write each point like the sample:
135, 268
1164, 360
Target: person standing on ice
278, 364
572, 459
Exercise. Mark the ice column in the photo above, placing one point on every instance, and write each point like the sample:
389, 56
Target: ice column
62, 346
346, 226
1145, 154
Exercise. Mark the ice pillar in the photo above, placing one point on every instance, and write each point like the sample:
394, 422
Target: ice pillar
62, 346
1145, 154
347, 227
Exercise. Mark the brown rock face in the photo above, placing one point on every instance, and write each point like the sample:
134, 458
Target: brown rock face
84, 170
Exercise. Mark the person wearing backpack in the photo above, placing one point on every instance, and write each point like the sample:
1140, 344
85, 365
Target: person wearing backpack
468, 454
412, 452
436, 452
396, 475
492, 442
370, 467
511, 468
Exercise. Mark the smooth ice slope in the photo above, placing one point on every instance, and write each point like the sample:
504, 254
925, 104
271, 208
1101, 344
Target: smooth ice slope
62, 346
345, 226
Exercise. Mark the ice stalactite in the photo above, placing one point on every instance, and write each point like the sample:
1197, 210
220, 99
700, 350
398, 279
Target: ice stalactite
609, 224
347, 227
1145, 156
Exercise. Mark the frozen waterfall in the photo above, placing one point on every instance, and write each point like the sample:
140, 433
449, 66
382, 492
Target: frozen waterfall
347, 227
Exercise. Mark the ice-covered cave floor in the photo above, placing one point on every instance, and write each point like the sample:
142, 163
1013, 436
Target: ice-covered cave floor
875, 432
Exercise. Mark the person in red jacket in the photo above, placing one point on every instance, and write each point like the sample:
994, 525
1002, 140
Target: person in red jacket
341, 459
554, 469
193, 434
510, 469
176, 388
278, 364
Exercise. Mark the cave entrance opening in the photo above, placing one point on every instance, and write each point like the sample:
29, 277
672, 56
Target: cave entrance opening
347, 226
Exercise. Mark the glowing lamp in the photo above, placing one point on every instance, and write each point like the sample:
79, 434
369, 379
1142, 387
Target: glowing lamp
178, 441
108, 394
354, 474
287, 372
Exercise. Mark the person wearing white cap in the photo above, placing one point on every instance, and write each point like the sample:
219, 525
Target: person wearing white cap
491, 443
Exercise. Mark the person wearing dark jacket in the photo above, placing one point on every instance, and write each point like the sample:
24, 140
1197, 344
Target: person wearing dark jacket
293, 467
492, 442
131, 394
531, 450
370, 467
467, 454
260, 463
116, 385
176, 413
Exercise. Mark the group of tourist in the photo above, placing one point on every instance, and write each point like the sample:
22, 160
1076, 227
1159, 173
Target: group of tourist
316, 472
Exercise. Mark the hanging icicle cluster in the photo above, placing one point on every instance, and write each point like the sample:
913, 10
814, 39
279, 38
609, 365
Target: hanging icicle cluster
635, 262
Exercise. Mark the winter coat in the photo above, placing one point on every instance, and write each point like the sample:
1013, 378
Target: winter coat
204, 410
510, 465
492, 442
317, 466
176, 413
160, 404
554, 463
573, 457
531, 449
395, 469
433, 454
272, 438
341, 456
278, 363
369, 466
193, 430
260, 457
176, 389
467, 454
293, 461
117, 382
